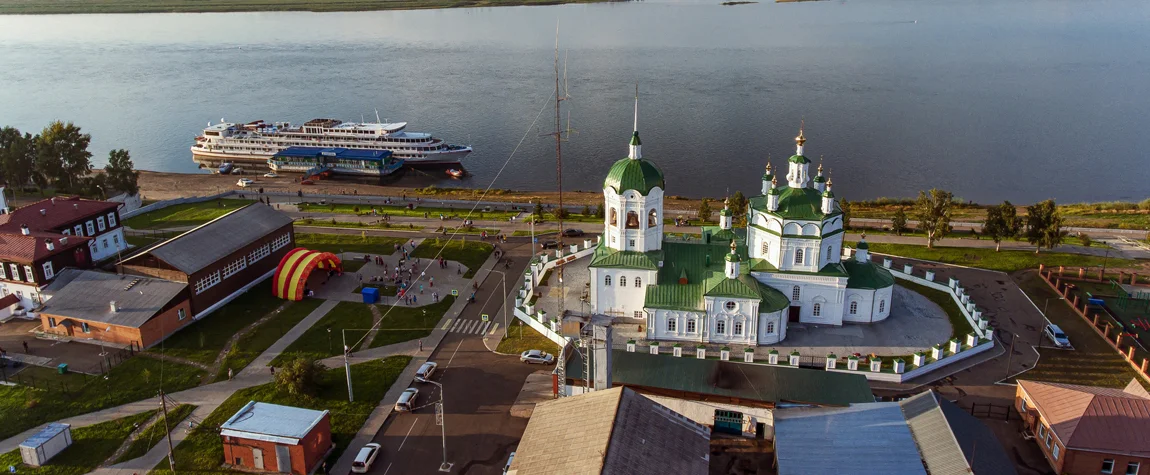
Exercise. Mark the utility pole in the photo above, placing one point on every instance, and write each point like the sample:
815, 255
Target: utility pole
505, 320
440, 420
347, 366
168, 431
1010, 355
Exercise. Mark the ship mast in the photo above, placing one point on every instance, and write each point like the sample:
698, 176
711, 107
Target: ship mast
559, 98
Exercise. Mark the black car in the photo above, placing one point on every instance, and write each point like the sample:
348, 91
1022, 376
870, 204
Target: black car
573, 232
551, 244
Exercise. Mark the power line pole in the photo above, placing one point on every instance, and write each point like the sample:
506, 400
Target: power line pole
168, 432
347, 366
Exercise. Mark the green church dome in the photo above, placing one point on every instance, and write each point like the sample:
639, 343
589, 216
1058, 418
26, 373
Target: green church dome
634, 174
799, 159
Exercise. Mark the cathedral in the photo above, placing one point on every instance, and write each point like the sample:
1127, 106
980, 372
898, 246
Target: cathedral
732, 285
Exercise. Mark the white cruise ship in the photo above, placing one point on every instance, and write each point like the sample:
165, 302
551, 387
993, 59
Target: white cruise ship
254, 143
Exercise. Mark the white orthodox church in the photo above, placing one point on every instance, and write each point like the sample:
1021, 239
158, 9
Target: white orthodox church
740, 286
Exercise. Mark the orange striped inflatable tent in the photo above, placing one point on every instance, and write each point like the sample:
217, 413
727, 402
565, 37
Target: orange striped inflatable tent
295, 267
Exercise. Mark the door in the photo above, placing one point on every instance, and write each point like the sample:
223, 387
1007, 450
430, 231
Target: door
795, 313
729, 422
283, 459
258, 459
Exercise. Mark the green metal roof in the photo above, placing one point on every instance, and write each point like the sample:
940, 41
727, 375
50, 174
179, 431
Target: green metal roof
720, 235
674, 296
867, 275
748, 381
701, 265
799, 159
820, 179
795, 203
606, 257
862, 245
634, 174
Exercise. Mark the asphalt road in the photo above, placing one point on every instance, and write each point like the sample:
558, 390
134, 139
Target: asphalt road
479, 387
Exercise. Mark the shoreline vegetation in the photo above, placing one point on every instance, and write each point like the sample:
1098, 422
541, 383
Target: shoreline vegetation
58, 7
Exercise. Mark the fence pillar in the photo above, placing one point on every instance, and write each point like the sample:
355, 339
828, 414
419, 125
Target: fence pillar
1130, 353
1106, 332
1117, 338
1060, 269
1096, 320
1081, 272
1041, 267
1121, 276
1100, 275
1134, 278
1145, 364
1074, 303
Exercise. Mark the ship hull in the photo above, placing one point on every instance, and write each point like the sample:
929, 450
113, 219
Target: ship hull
212, 160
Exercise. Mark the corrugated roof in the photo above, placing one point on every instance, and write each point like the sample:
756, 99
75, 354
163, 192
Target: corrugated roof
47, 433
979, 445
214, 240
803, 204
750, 381
1093, 418
611, 431
937, 444
58, 212
17, 247
861, 439
272, 422
606, 257
86, 295
867, 275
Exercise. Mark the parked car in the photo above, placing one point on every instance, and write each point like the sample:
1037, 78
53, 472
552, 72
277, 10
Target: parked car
573, 232
271, 175
306, 182
244, 182
365, 458
425, 371
406, 400
507, 467
549, 244
1055, 334
536, 356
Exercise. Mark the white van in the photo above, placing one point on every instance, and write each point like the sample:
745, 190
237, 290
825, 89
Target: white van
365, 458
425, 371
406, 400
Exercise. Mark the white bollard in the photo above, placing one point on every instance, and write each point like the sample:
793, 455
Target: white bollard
654, 349
936, 353
749, 355
907, 269
853, 363
971, 340
677, 350
930, 275
955, 346
899, 366
876, 365
701, 353
919, 359
887, 263
794, 359
725, 354
773, 357
832, 360
631, 346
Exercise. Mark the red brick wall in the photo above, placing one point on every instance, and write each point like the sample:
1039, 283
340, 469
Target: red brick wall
304, 456
1081, 462
117, 334
229, 285
166, 323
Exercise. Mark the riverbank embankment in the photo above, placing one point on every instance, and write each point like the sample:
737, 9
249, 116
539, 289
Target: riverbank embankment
54, 7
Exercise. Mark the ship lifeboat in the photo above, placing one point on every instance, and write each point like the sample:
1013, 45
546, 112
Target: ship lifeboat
455, 173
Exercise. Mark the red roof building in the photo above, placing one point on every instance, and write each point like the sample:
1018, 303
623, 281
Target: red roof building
72, 216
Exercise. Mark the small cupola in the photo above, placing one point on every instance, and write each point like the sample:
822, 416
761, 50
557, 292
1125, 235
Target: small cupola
862, 250
732, 268
768, 177
725, 215
820, 180
773, 196
828, 200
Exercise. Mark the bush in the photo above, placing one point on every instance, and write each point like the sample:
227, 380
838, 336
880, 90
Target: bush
300, 376
1084, 238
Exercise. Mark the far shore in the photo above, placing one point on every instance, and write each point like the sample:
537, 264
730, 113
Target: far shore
60, 7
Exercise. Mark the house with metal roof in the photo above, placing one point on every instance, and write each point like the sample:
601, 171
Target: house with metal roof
611, 431
274, 438
784, 266
220, 259
1088, 429
951, 441
121, 309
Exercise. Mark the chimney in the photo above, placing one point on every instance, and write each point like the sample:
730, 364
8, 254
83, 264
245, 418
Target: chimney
24, 229
49, 245
43, 212
112, 304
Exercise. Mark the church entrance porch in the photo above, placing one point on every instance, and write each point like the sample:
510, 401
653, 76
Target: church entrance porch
795, 313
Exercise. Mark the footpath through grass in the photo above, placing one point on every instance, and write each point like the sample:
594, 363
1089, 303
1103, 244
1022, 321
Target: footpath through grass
202, 452
140, 377
203, 340
419, 211
520, 338
471, 253
155, 433
249, 346
318, 343
1005, 261
190, 214
401, 323
91, 446
348, 243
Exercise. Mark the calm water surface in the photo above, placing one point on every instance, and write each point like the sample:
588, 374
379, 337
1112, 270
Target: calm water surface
1008, 99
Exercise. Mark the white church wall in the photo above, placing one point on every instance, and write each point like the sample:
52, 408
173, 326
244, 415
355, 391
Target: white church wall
641, 237
825, 291
772, 327
661, 330
616, 299
742, 313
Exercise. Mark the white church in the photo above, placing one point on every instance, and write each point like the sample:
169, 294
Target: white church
740, 286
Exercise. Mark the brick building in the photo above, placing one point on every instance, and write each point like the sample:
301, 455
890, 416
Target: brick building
73, 216
273, 438
29, 260
220, 259
120, 309
1088, 429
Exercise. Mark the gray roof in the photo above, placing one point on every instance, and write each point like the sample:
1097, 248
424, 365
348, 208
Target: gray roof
948, 436
87, 295
272, 422
611, 431
863, 439
215, 239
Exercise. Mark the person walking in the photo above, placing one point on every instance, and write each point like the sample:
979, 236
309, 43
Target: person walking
230, 374
26, 348
420, 345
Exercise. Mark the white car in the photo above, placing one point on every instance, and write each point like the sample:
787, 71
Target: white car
1055, 334
425, 371
406, 400
536, 356
365, 458
244, 182
271, 175
507, 467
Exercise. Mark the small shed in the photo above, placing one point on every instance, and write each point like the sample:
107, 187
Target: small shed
41, 447
370, 294
274, 438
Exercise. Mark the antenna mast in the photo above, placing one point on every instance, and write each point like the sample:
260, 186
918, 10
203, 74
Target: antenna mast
559, 162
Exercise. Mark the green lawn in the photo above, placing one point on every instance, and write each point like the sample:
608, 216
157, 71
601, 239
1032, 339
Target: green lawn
202, 453
1005, 261
91, 446
22, 408
203, 340
402, 323
520, 338
249, 346
142, 241
419, 211
538, 232
356, 225
191, 214
471, 253
348, 243
155, 433
318, 343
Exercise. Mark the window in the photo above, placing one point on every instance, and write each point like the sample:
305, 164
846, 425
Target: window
765, 247
638, 282
721, 327
111, 220
239, 461
817, 310
1041, 432
614, 217
830, 252
2, 273
66, 232
795, 293
52, 322
798, 256
881, 306
28, 276
1131, 468
691, 325
1047, 438
631, 244
260, 253
622, 281
638, 314
1108, 466
770, 328
48, 271
738, 328
612, 239
91, 229
281, 242
854, 308
607, 280
104, 242
1054, 454
652, 218
181, 314
232, 268
79, 230
730, 306
84, 326
207, 282
100, 223
671, 324
116, 240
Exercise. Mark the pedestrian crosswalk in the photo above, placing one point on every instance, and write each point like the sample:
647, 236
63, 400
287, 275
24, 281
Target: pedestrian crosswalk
469, 327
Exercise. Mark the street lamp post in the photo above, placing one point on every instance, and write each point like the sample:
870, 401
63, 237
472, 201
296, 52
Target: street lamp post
505, 320
347, 366
1010, 355
440, 420
329, 340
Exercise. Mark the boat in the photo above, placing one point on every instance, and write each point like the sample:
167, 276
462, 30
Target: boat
226, 168
455, 172
323, 162
254, 143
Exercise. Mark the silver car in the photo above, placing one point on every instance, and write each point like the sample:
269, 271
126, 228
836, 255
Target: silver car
536, 356
1055, 334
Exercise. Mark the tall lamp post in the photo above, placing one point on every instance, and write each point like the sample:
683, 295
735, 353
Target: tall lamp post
440, 417
505, 320
347, 366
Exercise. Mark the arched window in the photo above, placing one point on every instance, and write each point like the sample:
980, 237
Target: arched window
622, 281
795, 293
690, 325
881, 306
770, 328
854, 308
817, 310
798, 256
671, 324
721, 327
614, 217
652, 218
766, 248
738, 328
607, 280
638, 282
632, 220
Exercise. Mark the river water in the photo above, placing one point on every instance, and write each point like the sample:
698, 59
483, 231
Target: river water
991, 99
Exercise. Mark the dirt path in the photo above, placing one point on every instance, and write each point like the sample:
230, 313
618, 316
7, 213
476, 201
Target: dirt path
215, 367
173, 359
132, 438
375, 318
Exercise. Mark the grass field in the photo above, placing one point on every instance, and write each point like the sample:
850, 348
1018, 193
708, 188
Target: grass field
417, 212
249, 346
47, 7
22, 408
320, 223
201, 452
318, 343
538, 232
402, 323
191, 214
471, 253
91, 445
203, 340
348, 243
520, 338
1005, 261
155, 433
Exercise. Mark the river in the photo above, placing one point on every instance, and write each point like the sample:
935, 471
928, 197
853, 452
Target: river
991, 99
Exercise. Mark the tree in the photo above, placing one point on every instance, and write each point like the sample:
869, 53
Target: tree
705, 210
738, 205
1043, 225
1001, 223
898, 222
586, 210
537, 212
599, 211
17, 156
62, 154
1084, 239
300, 376
932, 209
120, 173
845, 207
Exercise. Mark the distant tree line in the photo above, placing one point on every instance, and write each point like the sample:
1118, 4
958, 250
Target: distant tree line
58, 157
